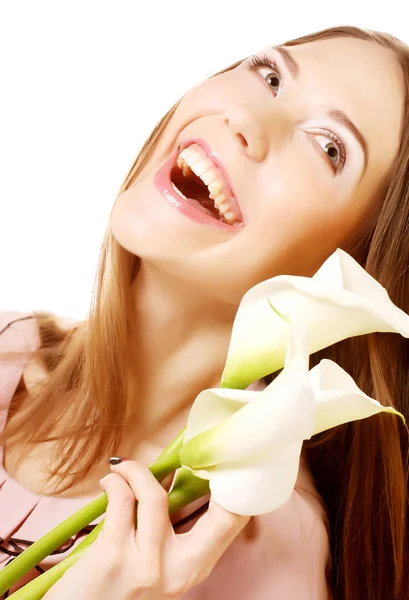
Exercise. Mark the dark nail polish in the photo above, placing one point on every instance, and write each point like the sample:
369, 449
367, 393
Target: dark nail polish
115, 460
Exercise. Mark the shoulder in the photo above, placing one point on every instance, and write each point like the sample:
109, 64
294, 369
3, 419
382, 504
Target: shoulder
19, 330
293, 544
283, 554
18, 334
302, 522
20, 339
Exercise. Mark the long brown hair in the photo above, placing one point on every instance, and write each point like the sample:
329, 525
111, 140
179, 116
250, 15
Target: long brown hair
361, 468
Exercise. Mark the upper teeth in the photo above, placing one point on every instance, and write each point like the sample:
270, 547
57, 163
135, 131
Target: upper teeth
195, 159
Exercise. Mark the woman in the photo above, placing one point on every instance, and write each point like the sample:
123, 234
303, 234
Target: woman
310, 144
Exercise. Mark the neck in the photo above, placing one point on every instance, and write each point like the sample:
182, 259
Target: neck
179, 342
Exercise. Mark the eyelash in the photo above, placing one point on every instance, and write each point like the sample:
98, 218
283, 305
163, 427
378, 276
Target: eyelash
263, 60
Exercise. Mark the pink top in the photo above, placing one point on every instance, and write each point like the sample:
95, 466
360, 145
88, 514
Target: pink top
288, 558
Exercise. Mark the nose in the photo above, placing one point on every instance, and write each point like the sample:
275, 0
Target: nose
248, 132
257, 130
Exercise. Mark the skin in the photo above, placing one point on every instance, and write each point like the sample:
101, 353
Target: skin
192, 277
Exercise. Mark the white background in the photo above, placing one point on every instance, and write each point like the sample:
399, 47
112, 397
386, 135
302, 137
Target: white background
82, 84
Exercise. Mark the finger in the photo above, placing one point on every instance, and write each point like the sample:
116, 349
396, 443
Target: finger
167, 481
153, 505
215, 531
120, 513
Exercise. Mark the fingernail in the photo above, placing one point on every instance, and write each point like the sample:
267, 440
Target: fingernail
115, 460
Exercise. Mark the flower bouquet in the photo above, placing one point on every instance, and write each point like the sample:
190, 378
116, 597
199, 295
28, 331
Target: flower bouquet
245, 445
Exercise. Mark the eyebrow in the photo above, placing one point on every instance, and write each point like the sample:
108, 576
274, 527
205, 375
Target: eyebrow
333, 113
290, 62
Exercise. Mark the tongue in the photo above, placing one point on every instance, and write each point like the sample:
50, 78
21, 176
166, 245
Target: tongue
195, 189
197, 192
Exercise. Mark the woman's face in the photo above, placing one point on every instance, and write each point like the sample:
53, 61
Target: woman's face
303, 178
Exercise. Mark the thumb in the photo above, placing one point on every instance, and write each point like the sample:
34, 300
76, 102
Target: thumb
216, 530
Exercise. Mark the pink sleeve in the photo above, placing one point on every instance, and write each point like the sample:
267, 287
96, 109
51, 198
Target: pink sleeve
18, 334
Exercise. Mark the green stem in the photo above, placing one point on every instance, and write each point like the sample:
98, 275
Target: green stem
167, 462
185, 490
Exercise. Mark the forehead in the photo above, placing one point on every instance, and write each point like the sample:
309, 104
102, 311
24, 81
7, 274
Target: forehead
365, 81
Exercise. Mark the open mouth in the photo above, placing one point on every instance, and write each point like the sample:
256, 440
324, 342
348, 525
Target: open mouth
193, 188
201, 182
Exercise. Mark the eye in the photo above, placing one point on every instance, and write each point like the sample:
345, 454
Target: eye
273, 76
335, 150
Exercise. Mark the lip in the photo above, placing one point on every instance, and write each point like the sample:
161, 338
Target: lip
164, 185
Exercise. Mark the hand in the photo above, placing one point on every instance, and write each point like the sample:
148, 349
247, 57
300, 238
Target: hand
151, 562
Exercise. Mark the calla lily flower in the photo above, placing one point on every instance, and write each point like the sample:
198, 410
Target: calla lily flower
340, 301
248, 443
339, 400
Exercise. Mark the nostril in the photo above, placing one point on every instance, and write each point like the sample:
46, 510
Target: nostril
242, 139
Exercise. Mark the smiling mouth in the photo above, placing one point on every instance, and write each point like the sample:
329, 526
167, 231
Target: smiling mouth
197, 178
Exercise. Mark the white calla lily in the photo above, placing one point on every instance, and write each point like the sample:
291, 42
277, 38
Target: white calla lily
248, 443
340, 301
339, 400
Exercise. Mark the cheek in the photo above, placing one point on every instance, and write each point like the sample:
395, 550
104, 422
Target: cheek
298, 195
301, 219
